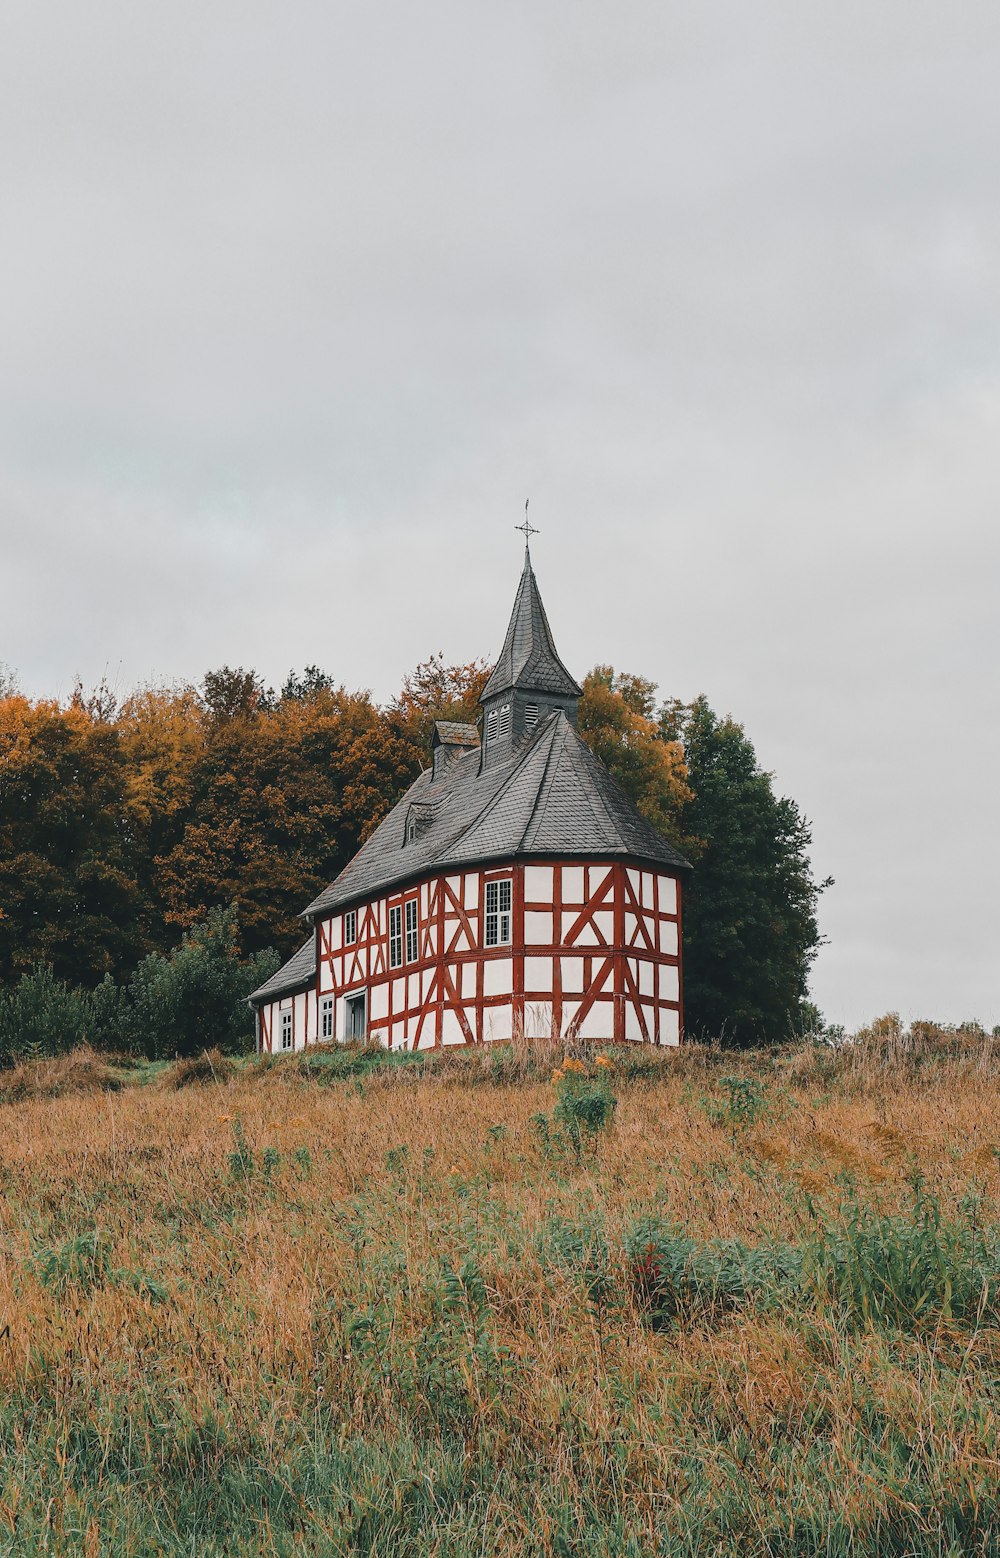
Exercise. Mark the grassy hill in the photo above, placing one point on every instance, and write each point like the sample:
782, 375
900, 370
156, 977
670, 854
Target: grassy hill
453, 1307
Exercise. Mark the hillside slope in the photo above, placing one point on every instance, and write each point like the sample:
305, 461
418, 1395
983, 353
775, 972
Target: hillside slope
391, 1310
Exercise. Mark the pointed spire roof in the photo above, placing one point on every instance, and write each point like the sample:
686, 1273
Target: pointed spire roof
528, 658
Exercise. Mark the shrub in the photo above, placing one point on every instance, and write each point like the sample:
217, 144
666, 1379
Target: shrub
585, 1105
198, 991
41, 1015
743, 1104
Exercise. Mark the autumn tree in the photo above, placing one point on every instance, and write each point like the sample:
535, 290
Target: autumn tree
281, 797
618, 720
436, 691
68, 891
750, 930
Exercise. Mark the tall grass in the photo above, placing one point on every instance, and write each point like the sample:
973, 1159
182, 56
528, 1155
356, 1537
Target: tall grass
356, 1307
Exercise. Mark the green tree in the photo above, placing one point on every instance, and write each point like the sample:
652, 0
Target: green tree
750, 931
41, 1015
196, 995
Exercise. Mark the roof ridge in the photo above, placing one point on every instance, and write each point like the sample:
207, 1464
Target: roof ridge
601, 818
501, 790
545, 774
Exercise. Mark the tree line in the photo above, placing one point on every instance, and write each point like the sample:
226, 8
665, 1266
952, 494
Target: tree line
128, 825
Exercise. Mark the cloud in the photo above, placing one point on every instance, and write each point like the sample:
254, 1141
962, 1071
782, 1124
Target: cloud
298, 304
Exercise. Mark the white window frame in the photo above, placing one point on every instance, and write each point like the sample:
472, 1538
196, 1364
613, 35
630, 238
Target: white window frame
395, 935
498, 912
505, 718
288, 1028
350, 927
492, 723
327, 1007
412, 919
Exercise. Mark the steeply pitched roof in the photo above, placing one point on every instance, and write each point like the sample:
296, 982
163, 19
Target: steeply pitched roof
553, 797
297, 974
528, 658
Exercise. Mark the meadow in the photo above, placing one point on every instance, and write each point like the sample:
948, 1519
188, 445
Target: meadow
667, 1303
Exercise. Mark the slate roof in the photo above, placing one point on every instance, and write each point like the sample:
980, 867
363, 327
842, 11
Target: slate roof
528, 658
297, 974
452, 733
553, 797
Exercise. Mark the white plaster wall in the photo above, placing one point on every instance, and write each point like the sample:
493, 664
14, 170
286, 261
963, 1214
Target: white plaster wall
670, 1028
572, 884
498, 1024
538, 974
498, 976
451, 1028
668, 937
538, 884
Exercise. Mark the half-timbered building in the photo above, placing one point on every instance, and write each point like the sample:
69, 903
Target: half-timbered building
513, 890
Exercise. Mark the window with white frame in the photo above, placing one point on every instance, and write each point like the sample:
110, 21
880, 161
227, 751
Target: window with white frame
412, 949
350, 927
326, 1017
505, 712
492, 723
530, 716
498, 900
396, 936
286, 1030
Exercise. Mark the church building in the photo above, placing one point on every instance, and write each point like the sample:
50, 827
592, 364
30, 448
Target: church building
515, 890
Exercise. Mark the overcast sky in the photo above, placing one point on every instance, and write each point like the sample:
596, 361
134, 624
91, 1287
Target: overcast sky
299, 301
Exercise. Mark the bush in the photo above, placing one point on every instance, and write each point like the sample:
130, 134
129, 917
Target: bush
197, 993
585, 1106
41, 1015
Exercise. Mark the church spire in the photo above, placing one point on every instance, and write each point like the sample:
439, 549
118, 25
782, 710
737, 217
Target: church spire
528, 660
529, 680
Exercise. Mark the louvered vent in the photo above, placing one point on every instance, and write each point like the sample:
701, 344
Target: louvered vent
505, 720
530, 716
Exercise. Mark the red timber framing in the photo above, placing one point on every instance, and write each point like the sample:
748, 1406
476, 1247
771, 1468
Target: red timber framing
594, 950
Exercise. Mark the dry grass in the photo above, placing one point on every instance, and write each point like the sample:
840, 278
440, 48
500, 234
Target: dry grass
277, 1316
211, 1065
81, 1071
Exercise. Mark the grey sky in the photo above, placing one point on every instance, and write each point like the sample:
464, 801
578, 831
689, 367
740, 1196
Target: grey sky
299, 301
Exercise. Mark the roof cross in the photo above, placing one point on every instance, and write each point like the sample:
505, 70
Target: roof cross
527, 530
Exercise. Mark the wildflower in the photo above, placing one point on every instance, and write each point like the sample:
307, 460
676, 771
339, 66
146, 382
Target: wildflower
576, 1066
557, 1077
603, 1060
223, 1119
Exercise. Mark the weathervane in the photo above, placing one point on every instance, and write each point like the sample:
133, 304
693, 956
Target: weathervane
526, 529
